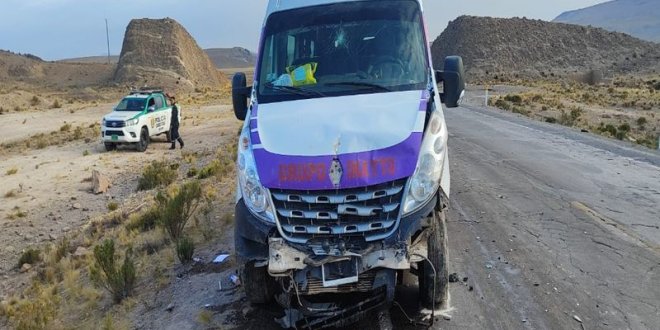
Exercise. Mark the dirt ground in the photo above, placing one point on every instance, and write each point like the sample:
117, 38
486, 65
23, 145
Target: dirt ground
51, 185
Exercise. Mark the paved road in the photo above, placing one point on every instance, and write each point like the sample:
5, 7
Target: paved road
555, 229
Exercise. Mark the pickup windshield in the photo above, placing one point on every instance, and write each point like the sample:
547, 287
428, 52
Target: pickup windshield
343, 49
131, 104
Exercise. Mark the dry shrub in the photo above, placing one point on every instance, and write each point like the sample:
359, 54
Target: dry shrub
155, 175
119, 281
178, 209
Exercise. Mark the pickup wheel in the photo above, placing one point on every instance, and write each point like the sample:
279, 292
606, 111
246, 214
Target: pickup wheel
434, 295
259, 286
144, 140
110, 146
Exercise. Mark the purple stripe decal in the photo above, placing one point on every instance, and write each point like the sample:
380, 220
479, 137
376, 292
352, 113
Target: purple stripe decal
254, 138
359, 169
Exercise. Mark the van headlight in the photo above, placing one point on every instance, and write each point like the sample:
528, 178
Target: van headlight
426, 179
132, 122
255, 196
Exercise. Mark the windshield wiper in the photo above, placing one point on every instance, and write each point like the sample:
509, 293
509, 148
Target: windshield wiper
294, 90
361, 84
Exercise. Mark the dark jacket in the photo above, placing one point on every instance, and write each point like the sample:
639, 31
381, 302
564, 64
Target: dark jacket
174, 126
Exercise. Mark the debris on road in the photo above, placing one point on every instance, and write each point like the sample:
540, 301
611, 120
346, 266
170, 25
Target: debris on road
170, 307
489, 266
577, 318
220, 258
234, 279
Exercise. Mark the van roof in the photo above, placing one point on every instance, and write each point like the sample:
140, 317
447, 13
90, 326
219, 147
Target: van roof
282, 5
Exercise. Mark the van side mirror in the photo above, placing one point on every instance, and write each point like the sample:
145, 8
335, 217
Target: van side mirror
453, 80
240, 93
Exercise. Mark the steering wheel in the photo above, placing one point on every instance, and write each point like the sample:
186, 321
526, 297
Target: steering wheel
386, 67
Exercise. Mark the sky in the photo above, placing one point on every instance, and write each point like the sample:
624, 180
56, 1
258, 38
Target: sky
59, 29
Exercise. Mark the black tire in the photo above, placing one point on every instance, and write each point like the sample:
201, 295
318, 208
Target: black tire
144, 140
239, 99
110, 146
437, 254
259, 286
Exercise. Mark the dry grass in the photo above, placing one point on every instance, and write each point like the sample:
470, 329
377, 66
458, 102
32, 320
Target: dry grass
62, 295
55, 138
625, 108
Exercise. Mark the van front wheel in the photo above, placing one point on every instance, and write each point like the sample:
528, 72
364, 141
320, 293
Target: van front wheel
433, 286
259, 286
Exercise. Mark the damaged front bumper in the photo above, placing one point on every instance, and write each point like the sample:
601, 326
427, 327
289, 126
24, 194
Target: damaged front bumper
322, 285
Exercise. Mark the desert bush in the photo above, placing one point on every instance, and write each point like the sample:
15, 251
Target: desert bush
113, 206
620, 135
520, 110
576, 113
78, 133
65, 128
35, 312
145, 221
516, 99
185, 248
178, 209
85, 153
2, 110
641, 121
504, 105
35, 101
192, 172
209, 170
118, 280
56, 105
29, 256
61, 249
625, 127
609, 128
551, 120
156, 174
12, 171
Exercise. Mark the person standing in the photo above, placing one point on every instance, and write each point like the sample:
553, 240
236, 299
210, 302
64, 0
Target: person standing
174, 125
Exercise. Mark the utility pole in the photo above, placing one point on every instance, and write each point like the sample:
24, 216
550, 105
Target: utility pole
107, 37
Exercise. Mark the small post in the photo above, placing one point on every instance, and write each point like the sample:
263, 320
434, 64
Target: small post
486, 97
107, 37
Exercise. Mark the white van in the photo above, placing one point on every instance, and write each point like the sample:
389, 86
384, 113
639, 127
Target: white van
342, 161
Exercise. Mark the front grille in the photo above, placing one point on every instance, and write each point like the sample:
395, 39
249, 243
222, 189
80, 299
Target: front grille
315, 286
111, 133
368, 212
115, 123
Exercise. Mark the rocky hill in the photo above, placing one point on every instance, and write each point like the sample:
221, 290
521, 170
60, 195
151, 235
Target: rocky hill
160, 52
639, 18
533, 47
30, 69
236, 57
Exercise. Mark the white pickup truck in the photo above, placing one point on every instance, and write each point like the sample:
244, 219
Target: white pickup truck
138, 117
